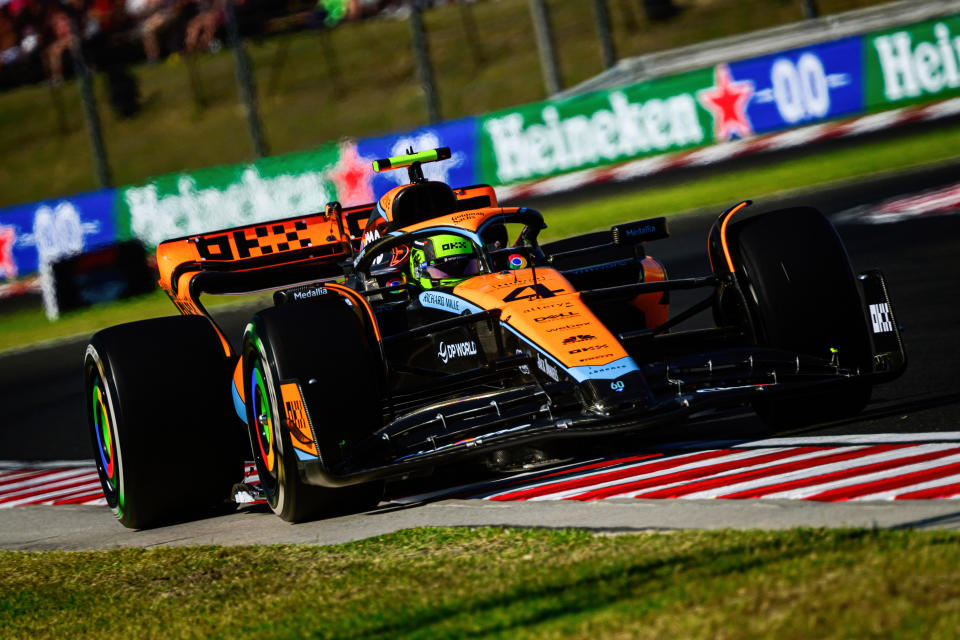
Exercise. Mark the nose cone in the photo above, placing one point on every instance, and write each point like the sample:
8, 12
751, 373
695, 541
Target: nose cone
618, 395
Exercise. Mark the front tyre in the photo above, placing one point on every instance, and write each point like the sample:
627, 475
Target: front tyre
322, 342
803, 297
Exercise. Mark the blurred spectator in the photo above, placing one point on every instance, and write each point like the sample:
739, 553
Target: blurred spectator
61, 40
203, 27
360, 9
154, 18
660, 9
30, 19
37, 36
9, 38
110, 16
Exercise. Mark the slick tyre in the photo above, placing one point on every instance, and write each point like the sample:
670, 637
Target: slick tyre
165, 441
803, 296
321, 346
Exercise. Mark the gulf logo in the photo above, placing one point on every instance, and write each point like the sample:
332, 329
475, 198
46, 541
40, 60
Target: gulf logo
517, 261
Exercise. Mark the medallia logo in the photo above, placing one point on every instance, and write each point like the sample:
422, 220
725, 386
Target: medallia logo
457, 350
306, 294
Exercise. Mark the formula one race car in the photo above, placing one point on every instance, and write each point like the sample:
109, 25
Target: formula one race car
431, 326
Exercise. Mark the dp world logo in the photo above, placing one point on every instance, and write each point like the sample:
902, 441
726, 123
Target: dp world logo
458, 350
617, 386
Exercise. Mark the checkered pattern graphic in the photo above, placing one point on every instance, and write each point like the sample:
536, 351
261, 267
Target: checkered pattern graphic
880, 318
273, 238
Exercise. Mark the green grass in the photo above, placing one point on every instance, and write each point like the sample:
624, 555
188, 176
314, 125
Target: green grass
716, 191
304, 103
480, 583
29, 326
725, 188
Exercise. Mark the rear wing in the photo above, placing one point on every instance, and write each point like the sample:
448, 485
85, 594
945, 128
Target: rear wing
273, 254
259, 256
270, 255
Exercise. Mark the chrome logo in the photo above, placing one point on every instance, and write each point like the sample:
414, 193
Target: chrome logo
517, 261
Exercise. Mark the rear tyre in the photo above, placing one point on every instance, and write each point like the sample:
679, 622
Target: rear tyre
803, 296
320, 341
160, 419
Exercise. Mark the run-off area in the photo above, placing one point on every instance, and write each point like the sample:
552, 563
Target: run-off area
864, 467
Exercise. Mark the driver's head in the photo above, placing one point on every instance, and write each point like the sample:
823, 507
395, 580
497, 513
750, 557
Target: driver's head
443, 261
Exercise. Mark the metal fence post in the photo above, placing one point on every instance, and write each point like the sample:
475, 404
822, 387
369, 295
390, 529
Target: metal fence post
248, 92
810, 9
629, 15
548, 55
607, 51
421, 57
470, 33
90, 113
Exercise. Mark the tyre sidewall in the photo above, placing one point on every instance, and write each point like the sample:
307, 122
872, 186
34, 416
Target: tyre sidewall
279, 491
176, 437
95, 367
803, 297
798, 281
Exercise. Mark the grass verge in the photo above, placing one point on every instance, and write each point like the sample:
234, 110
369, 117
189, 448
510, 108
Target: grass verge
487, 582
29, 326
723, 188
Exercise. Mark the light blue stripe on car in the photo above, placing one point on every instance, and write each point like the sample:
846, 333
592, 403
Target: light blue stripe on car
582, 373
238, 405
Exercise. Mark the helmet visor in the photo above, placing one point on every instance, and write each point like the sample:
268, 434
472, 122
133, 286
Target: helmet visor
461, 266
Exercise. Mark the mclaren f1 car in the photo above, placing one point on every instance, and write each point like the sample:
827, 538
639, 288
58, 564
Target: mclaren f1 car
433, 326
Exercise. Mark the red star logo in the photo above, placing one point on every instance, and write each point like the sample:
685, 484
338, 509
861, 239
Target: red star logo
8, 268
727, 103
353, 176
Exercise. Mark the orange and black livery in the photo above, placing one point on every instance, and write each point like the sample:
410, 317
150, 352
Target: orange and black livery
433, 326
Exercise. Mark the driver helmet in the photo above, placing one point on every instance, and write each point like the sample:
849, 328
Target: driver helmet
443, 260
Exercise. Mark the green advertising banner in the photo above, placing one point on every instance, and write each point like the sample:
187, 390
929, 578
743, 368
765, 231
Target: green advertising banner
187, 203
598, 128
912, 64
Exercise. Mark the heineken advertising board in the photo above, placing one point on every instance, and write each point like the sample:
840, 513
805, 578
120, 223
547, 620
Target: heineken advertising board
40, 233
913, 64
188, 203
596, 128
802, 86
703, 107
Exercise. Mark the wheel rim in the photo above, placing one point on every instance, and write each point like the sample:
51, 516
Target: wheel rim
263, 426
108, 463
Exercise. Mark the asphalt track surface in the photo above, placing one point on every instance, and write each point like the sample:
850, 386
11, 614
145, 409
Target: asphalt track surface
43, 419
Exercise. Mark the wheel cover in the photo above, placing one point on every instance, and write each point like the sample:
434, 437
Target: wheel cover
106, 447
263, 428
